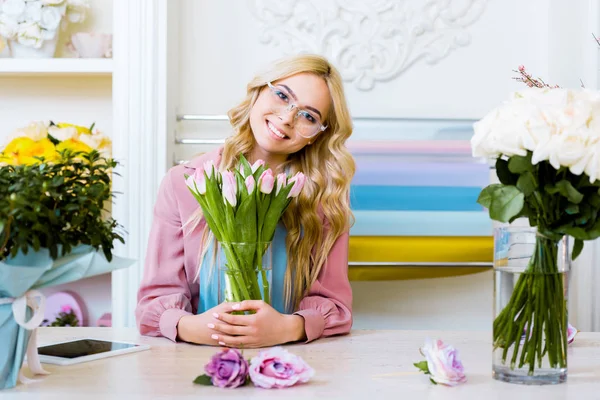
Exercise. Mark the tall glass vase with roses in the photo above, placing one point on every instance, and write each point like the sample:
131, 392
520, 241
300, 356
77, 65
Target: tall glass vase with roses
546, 146
242, 208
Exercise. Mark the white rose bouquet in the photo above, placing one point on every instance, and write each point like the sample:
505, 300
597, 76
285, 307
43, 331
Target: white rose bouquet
546, 142
31, 22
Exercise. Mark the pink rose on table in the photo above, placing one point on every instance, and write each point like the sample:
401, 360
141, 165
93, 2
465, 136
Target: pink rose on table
442, 363
277, 368
227, 369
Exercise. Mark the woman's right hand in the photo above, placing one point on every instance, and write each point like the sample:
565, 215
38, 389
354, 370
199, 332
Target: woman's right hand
195, 328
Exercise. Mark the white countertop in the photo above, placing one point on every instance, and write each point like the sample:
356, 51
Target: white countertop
362, 365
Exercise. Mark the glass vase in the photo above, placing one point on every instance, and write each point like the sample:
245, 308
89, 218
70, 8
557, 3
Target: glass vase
245, 271
530, 306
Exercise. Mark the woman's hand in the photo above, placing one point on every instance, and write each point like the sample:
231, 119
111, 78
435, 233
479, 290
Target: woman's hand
267, 327
194, 328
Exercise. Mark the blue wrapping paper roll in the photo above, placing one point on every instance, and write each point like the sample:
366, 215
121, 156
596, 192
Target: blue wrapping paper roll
37, 270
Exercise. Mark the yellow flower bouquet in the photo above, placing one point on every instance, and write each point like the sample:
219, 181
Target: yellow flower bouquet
47, 140
55, 180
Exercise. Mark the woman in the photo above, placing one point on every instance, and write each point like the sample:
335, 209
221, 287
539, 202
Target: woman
295, 118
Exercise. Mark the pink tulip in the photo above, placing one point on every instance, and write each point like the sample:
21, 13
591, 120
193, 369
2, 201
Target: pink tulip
190, 182
197, 182
229, 188
266, 181
298, 180
209, 167
250, 183
281, 182
257, 165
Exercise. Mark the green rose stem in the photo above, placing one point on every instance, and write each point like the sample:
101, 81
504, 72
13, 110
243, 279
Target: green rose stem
538, 304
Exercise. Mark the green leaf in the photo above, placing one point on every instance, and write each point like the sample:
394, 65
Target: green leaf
577, 248
432, 381
520, 164
506, 203
526, 183
53, 139
486, 195
572, 209
203, 380
565, 189
422, 366
246, 167
504, 175
594, 200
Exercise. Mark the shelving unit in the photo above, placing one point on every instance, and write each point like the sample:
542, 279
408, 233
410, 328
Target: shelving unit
66, 89
56, 66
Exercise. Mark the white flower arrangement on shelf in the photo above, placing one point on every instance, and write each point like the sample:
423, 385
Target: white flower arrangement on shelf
31, 22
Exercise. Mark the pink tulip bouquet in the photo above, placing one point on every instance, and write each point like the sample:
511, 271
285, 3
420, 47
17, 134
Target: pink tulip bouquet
242, 208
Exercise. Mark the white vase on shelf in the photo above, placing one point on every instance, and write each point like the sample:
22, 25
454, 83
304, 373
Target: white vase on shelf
47, 50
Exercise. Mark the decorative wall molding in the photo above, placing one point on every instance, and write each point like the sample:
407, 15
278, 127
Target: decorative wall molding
370, 41
139, 139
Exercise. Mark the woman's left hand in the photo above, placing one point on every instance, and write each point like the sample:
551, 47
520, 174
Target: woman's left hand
267, 327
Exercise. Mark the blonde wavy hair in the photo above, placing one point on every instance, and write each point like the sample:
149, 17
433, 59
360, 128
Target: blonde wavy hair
321, 213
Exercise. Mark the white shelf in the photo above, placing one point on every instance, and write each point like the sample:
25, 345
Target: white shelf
56, 66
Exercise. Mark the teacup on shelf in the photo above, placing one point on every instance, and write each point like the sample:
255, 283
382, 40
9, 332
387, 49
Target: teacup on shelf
91, 45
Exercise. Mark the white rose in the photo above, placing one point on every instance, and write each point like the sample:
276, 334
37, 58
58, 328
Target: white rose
53, 2
499, 132
30, 34
51, 17
568, 151
13, 8
62, 134
8, 26
33, 11
592, 168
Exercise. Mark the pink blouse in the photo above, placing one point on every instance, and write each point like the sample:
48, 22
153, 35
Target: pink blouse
169, 289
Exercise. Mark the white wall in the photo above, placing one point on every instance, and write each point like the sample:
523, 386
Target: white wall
453, 303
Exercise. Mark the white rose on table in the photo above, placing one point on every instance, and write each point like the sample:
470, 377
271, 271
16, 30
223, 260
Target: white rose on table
51, 17
8, 26
14, 8
30, 34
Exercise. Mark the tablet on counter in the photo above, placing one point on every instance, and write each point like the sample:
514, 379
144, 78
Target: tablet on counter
82, 350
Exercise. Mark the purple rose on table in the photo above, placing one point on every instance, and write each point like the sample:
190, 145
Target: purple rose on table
227, 369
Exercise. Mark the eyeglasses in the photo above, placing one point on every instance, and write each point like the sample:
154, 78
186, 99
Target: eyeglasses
307, 123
